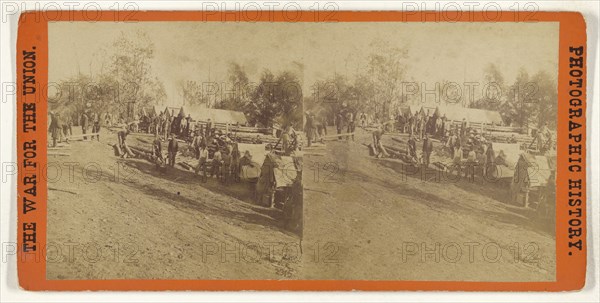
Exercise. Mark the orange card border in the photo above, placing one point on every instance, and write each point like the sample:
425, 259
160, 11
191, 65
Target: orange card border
33, 32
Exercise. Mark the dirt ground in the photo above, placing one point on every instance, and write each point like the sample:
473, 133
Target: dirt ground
374, 220
112, 218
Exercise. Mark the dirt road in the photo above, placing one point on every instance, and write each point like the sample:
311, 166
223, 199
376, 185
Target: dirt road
371, 221
112, 218
363, 219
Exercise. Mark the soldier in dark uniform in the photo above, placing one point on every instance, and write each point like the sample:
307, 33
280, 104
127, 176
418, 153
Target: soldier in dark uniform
172, 149
84, 124
427, 149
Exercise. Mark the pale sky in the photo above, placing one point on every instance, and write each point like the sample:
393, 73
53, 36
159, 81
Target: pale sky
188, 50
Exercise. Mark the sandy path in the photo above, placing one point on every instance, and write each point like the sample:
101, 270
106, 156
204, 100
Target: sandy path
127, 220
381, 224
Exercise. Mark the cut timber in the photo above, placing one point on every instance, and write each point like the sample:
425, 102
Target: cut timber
84, 135
314, 154
58, 154
186, 165
398, 140
336, 135
63, 190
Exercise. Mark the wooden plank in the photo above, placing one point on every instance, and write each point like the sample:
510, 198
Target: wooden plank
314, 154
336, 135
58, 154
63, 190
82, 135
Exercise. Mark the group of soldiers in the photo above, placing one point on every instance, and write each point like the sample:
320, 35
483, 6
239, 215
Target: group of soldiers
316, 127
420, 124
61, 126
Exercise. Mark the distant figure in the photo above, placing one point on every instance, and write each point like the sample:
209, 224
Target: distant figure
285, 141
463, 127
490, 155
202, 159
66, 128
363, 120
309, 128
157, 147
157, 151
379, 150
225, 165
427, 149
122, 143
209, 126
351, 126
196, 144
451, 143
339, 124
172, 149
187, 125
55, 127
96, 126
234, 167
412, 147
84, 124
217, 163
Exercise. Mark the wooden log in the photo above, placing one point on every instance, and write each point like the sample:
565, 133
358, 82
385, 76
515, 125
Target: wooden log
63, 190
336, 135
185, 165
401, 151
84, 135
59, 154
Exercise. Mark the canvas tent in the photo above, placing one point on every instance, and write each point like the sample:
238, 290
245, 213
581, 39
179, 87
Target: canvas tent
533, 174
149, 111
410, 110
172, 111
534, 169
473, 115
200, 113
510, 152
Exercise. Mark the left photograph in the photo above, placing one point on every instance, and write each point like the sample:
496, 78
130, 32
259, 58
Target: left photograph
174, 151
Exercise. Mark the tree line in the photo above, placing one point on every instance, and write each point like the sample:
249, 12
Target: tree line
126, 83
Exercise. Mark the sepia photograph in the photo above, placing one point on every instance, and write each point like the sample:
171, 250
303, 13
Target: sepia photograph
303, 151
431, 150
174, 151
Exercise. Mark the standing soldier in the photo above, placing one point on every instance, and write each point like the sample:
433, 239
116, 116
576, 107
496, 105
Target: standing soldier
412, 148
157, 151
165, 127
188, 121
202, 160
427, 149
122, 144
463, 127
55, 127
351, 126
308, 127
66, 125
196, 143
363, 119
339, 124
208, 129
378, 148
234, 169
96, 126
84, 124
172, 149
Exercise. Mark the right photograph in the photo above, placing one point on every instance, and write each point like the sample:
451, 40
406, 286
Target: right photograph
430, 151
